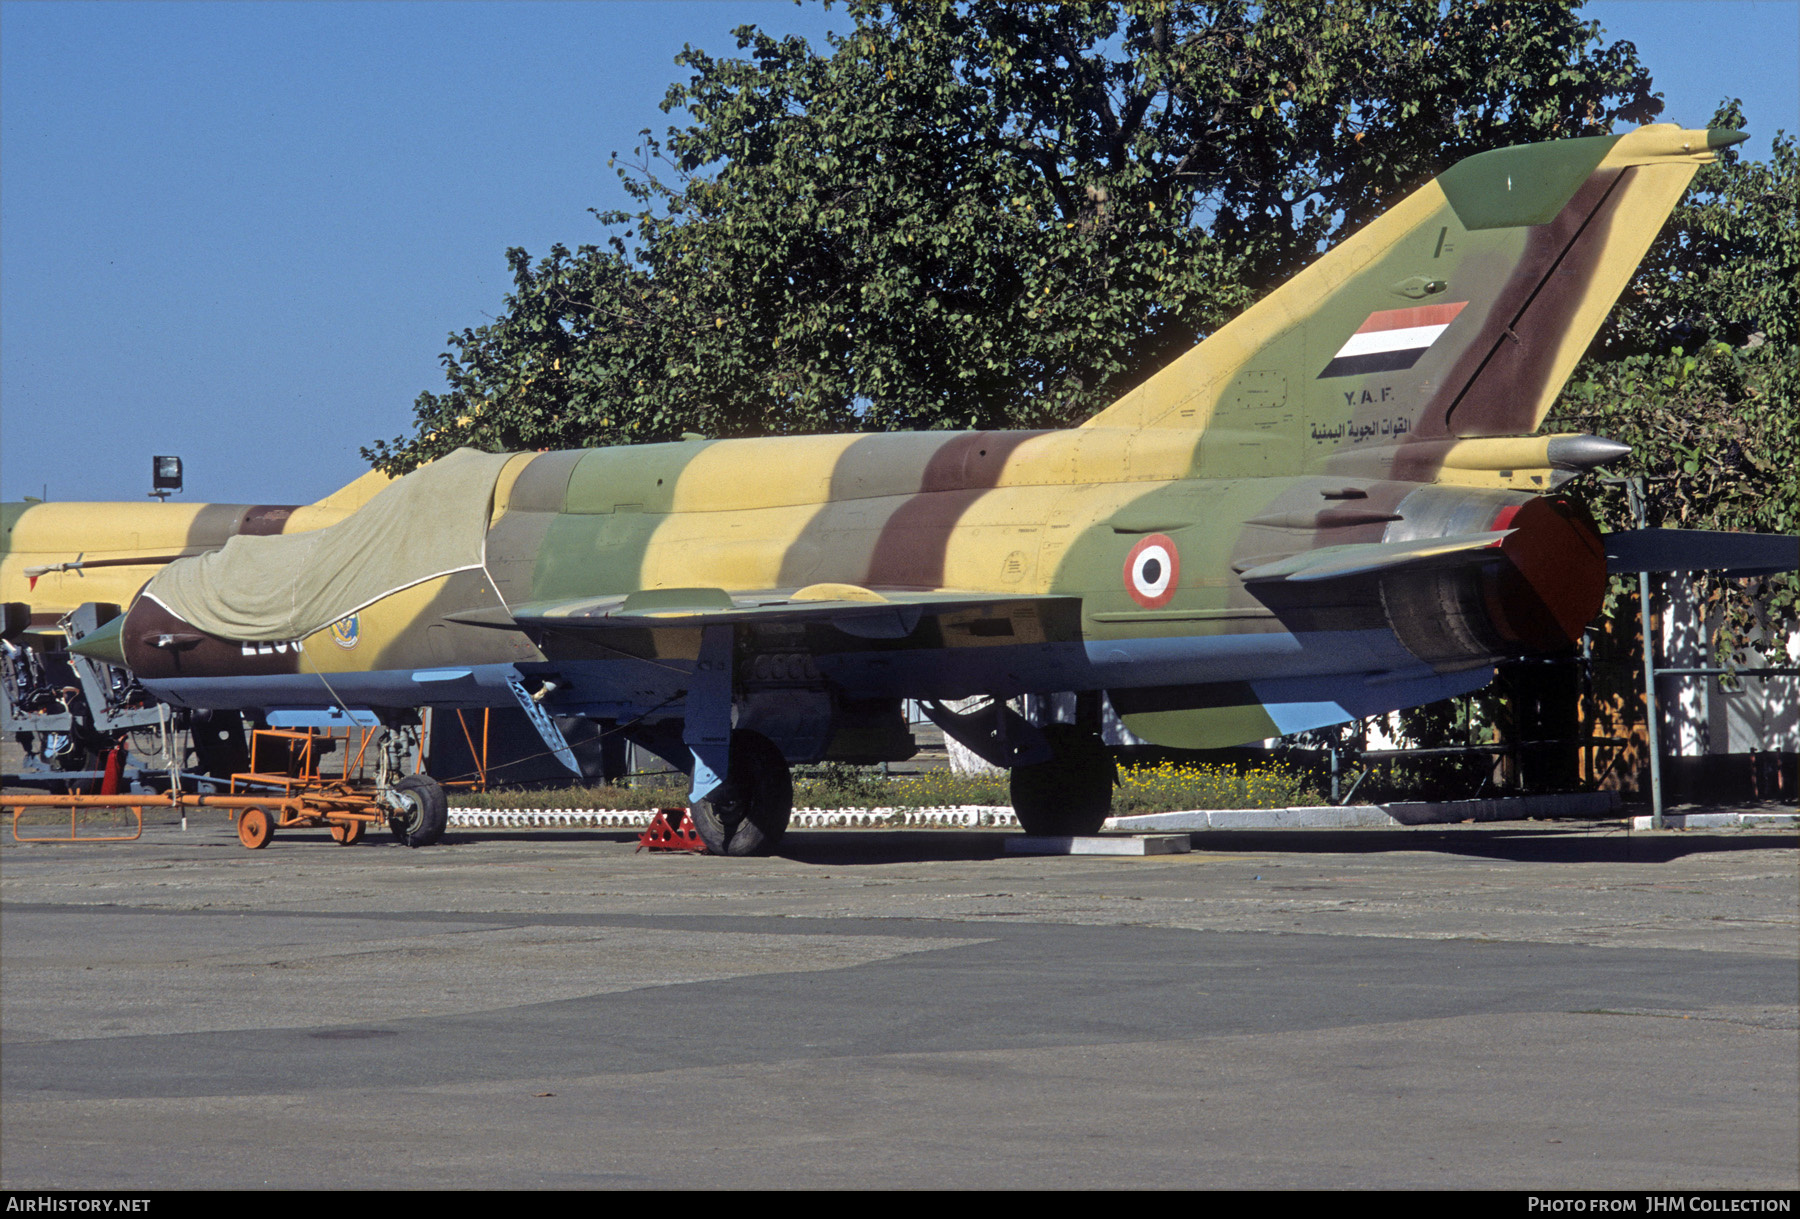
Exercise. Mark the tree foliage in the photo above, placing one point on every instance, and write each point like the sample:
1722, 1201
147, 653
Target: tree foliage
988, 214
1699, 371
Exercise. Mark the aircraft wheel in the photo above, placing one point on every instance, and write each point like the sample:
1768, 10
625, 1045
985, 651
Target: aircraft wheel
1070, 794
748, 813
423, 811
348, 833
255, 827
73, 756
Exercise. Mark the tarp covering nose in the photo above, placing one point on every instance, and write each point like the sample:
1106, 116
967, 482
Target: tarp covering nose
430, 523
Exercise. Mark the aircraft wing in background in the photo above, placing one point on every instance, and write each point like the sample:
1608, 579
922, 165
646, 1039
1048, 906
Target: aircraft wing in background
1730, 554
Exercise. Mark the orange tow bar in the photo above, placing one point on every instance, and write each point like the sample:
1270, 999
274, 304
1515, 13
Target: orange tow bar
346, 812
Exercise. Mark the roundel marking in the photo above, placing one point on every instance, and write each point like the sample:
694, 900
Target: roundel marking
1152, 570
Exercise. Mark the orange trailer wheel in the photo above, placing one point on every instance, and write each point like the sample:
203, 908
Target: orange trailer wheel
255, 828
348, 833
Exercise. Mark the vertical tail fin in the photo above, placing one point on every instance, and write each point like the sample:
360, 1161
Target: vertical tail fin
1457, 313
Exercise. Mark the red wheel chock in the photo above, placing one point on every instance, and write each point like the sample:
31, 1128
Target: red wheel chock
661, 835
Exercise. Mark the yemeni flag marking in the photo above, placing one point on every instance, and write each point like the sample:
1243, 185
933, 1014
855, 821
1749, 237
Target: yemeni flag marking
1392, 339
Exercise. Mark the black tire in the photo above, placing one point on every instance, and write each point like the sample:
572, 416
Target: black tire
748, 813
1069, 795
426, 810
79, 757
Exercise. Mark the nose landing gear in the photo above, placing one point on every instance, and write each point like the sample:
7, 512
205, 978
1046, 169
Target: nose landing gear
418, 811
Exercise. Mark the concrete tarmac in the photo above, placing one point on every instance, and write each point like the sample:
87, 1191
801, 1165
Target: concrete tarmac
1515, 1005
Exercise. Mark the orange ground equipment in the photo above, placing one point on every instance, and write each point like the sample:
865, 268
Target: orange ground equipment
346, 814
284, 764
290, 759
672, 829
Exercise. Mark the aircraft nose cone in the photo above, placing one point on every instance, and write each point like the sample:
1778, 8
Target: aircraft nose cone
106, 644
1724, 137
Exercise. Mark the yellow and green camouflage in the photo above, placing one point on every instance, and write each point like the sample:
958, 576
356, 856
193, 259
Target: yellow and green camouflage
1334, 506
56, 556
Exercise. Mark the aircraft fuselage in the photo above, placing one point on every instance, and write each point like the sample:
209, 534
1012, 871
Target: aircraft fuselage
1116, 584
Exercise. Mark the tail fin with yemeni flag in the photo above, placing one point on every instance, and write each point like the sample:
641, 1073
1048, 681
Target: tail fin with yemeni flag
1456, 314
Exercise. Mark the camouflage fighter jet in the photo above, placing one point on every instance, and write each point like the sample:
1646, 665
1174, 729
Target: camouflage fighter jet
57, 556
1335, 506
64, 568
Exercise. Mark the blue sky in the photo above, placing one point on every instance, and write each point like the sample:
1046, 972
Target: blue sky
241, 231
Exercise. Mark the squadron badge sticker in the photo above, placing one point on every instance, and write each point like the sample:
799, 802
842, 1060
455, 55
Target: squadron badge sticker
346, 632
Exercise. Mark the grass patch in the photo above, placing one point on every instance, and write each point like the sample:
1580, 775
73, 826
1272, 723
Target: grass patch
1142, 789
645, 793
1173, 787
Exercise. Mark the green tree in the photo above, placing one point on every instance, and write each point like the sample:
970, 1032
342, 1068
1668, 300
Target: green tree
988, 214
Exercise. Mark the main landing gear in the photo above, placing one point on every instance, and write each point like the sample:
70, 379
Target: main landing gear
741, 793
748, 812
1070, 794
1062, 774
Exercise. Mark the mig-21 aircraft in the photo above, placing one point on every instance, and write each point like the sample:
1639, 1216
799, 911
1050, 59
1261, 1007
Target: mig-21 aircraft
1337, 505
65, 568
